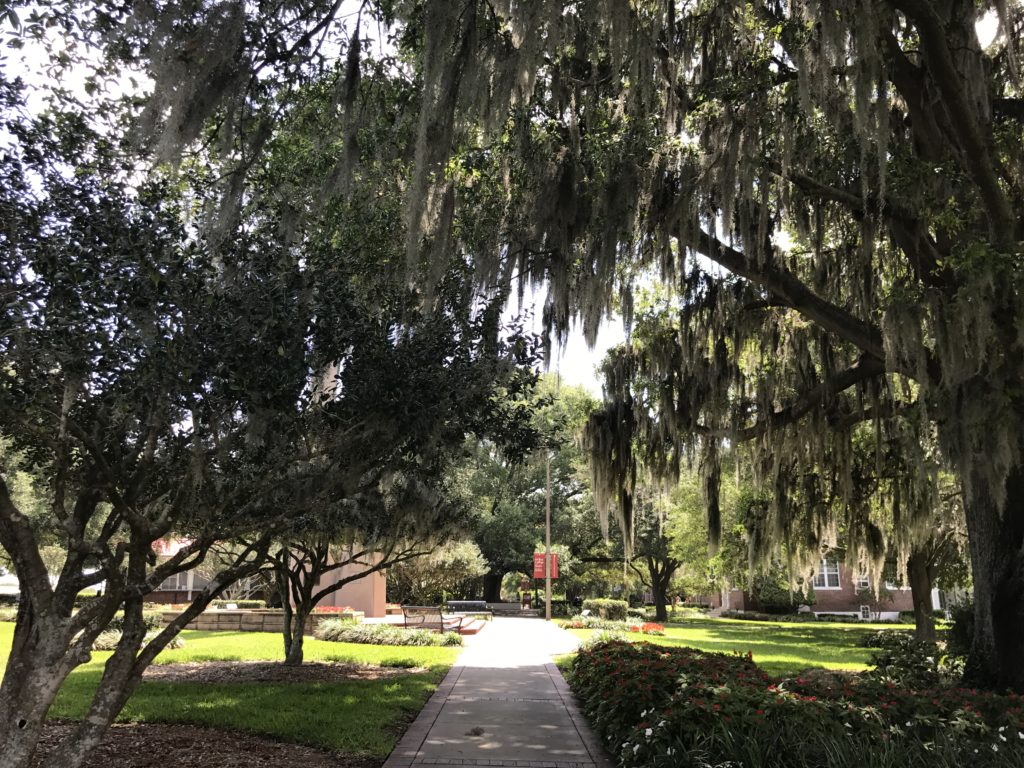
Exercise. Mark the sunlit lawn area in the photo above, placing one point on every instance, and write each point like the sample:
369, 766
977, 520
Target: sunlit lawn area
780, 648
358, 717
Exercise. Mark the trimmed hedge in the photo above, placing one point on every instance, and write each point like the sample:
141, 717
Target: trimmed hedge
604, 608
239, 604
341, 631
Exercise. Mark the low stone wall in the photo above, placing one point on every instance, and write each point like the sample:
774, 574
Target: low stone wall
245, 620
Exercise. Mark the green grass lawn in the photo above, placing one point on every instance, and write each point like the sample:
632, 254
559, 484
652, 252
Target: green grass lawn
357, 717
780, 648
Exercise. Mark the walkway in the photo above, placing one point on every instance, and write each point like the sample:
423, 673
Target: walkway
504, 703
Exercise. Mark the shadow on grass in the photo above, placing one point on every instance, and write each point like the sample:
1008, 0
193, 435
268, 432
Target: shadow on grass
363, 717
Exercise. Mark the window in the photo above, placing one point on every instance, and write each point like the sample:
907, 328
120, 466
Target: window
827, 576
177, 582
863, 583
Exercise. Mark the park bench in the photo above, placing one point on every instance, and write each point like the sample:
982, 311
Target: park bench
429, 617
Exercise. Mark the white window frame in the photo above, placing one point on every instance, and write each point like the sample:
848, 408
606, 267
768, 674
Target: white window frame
863, 582
826, 569
180, 583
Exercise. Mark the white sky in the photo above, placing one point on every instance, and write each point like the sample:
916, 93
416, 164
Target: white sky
575, 362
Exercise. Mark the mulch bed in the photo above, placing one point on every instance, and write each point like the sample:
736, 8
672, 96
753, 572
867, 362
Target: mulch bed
152, 745
268, 672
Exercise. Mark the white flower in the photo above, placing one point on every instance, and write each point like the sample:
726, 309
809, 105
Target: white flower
649, 732
1002, 728
909, 723
1020, 734
625, 744
848, 725
995, 747
636, 748
1001, 737
670, 751
662, 724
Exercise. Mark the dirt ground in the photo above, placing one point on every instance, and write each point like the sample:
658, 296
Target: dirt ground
157, 745
153, 745
268, 672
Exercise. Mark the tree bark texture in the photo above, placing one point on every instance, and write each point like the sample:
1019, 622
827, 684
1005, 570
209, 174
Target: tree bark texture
996, 539
921, 576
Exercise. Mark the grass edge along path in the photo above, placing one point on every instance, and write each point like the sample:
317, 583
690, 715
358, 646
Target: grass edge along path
780, 648
360, 718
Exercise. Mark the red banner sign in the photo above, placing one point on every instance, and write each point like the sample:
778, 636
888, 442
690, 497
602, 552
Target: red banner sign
538, 565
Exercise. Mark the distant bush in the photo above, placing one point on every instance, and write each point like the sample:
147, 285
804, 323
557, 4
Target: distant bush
340, 631
594, 622
796, 617
615, 610
108, 640
82, 600
884, 638
240, 604
8, 614
152, 619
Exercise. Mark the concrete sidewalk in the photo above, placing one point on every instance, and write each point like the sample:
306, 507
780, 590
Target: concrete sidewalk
504, 703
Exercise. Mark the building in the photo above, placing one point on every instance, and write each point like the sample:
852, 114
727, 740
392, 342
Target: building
838, 590
367, 594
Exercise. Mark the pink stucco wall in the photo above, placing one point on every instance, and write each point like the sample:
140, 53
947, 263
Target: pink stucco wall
367, 594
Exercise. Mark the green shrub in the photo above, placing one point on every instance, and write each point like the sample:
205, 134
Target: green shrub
604, 608
794, 617
108, 640
594, 622
884, 638
239, 604
906, 661
338, 631
682, 708
82, 600
153, 620
8, 614
603, 637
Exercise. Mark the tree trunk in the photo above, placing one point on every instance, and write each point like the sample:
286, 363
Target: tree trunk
31, 682
294, 636
996, 538
492, 586
121, 676
658, 589
42, 656
919, 572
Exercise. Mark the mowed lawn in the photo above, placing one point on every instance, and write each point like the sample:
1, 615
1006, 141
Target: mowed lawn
362, 717
780, 648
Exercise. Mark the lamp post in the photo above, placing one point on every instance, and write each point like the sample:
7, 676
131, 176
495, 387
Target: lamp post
547, 538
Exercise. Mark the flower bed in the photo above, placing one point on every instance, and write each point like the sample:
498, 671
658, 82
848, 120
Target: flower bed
660, 706
595, 622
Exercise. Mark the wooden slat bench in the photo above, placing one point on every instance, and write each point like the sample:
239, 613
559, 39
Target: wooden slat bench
430, 617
